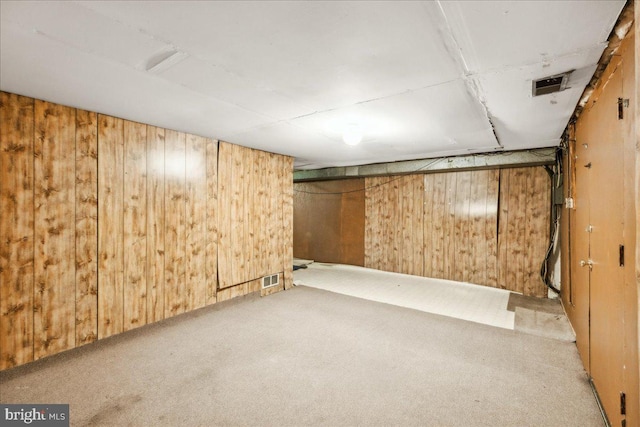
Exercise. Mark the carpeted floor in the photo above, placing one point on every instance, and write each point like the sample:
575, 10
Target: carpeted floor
312, 357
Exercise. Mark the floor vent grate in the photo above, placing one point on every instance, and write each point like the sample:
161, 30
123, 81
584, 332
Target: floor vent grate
268, 281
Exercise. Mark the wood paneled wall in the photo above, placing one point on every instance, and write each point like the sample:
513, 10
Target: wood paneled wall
328, 221
256, 189
393, 238
488, 227
107, 225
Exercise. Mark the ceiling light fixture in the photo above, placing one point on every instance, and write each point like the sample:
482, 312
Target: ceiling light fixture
352, 134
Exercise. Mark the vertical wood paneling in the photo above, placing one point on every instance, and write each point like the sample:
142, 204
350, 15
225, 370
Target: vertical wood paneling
237, 230
248, 213
523, 229
196, 223
536, 229
450, 226
368, 223
262, 204
86, 311
460, 264
427, 229
175, 206
519, 209
491, 227
54, 199
287, 223
272, 217
279, 238
477, 241
110, 226
453, 233
225, 168
503, 230
135, 225
211, 248
407, 199
155, 224
438, 228
16, 229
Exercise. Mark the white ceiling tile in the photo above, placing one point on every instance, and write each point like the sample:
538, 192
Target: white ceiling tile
83, 29
423, 79
216, 82
50, 71
495, 34
508, 96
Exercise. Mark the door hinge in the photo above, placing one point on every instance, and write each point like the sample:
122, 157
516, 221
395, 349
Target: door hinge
623, 403
621, 255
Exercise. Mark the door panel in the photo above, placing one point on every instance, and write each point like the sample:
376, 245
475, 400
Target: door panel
607, 279
580, 250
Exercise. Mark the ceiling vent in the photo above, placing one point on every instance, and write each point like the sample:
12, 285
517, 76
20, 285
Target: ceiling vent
551, 84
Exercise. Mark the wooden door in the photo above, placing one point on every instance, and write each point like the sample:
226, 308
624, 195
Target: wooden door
607, 273
580, 280
597, 303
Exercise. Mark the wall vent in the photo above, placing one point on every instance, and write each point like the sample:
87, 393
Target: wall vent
551, 84
268, 281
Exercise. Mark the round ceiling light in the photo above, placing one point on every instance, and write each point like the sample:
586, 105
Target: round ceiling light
352, 134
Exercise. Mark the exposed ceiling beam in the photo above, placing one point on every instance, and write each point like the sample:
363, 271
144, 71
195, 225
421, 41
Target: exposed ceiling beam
509, 159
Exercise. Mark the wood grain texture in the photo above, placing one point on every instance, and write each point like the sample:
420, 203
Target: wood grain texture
225, 168
491, 227
16, 229
271, 205
249, 213
262, 205
503, 231
287, 223
449, 220
523, 229
536, 229
273, 260
427, 228
278, 164
110, 226
54, 200
174, 226
211, 248
155, 223
461, 228
329, 221
439, 201
477, 267
237, 228
458, 232
135, 225
86, 297
196, 222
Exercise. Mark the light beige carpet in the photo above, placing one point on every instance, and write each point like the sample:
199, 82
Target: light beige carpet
312, 357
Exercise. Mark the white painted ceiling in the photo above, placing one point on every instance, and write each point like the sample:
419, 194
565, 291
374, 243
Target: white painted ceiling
421, 79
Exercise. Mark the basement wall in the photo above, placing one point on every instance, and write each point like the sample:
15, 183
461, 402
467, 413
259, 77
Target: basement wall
328, 221
108, 225
602, 302
488, 227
